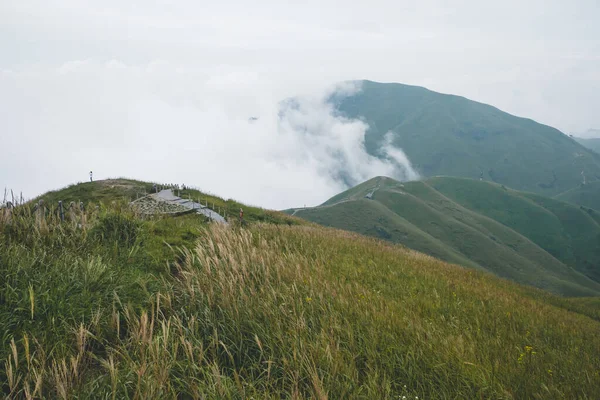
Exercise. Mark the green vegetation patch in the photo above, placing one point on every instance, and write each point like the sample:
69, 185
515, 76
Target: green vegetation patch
587, 196
106, 305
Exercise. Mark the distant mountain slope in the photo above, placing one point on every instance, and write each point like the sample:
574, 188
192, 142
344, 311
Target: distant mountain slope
587, 195
593, 143
524, 237
453, 136
567, 232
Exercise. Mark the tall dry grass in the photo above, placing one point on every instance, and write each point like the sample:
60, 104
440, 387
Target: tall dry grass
273, 312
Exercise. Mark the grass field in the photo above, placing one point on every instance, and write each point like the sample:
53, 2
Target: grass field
587, 196
107, 305
521, 236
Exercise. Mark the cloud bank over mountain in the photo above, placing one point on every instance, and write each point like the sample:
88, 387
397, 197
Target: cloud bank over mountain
222, 132
165, 91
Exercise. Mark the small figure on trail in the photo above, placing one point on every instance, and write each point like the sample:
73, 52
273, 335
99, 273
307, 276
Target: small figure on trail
91, 176
241, 214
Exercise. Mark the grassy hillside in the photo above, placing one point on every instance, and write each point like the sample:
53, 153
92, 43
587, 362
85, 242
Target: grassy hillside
104, 305
124, 190
593, 143
109, 190
453, 136
584, 195
568, 232
523, 237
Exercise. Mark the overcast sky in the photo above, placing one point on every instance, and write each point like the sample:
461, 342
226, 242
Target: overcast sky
162, 90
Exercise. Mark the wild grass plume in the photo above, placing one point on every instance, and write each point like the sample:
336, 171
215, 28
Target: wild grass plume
108, 305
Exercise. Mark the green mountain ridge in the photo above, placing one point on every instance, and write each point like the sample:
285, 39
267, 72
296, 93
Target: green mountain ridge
521, 236
587, 195
452, 136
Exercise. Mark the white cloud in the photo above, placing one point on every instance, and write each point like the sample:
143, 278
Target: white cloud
161, 122
163, 90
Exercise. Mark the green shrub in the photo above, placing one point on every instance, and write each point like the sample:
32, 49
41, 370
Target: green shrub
117, 227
